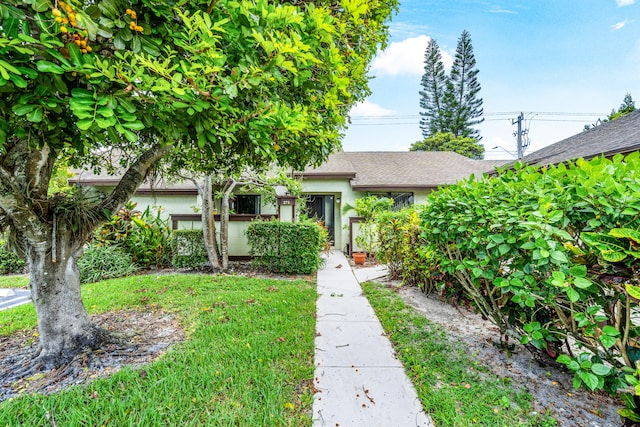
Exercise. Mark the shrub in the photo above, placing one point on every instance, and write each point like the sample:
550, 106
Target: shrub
286, 247
10, 263
401, 248
104, 262
143, 235
189, 250
549, 255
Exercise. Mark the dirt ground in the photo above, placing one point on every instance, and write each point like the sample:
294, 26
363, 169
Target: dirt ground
551, 388
145, 336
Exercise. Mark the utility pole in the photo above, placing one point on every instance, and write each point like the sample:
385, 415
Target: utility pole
520, 149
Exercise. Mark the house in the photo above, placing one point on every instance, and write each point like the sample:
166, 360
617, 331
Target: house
406, 177
619, 136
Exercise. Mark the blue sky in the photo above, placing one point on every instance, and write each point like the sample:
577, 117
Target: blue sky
562, 63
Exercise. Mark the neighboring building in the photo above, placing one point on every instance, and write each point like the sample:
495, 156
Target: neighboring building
619, 136
407, 177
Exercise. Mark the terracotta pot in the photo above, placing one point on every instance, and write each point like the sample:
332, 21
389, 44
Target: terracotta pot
359, 257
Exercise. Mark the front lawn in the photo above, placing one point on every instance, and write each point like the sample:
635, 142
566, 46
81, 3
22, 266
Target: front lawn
247, 358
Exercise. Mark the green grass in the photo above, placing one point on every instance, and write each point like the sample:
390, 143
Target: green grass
248, 358
454, 389
14, 281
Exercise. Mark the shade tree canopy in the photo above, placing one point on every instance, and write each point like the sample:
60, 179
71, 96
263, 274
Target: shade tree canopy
203, 85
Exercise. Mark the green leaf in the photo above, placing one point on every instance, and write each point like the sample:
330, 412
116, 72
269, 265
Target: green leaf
590, 380
49, 67
613, 256
104, 123
600, 369
21, 110
572, 294
625, 233
633, 290
75, 54
559, 256
629, 414
84, 124
40, 5
18, 81
564, 359
133, 125
582, 283
611, 331
131, 137
607, 341
105, 112
36, 115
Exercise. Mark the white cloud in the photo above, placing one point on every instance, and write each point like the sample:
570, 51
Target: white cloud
620, 25
369, 109
496, 9
405, 58
622, 3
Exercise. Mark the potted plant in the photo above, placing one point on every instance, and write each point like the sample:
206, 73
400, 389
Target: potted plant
359, 257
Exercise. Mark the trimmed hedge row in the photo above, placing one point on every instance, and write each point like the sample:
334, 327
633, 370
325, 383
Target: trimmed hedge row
285, 247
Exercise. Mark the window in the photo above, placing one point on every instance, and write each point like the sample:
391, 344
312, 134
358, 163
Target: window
246, 204
400, 200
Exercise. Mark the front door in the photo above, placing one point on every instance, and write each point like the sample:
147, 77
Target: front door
321, 207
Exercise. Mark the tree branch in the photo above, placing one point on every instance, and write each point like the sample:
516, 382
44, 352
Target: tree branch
133, 177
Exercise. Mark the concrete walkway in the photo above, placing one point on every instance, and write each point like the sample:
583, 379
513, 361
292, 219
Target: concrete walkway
359, 380
10, 298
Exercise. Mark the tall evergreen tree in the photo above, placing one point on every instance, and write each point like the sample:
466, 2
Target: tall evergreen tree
434, 81
462, 94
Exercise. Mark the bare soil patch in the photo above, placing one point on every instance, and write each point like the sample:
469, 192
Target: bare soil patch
550, 385
142, 337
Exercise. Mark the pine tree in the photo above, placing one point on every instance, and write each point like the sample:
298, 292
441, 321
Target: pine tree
434, 82
462, 94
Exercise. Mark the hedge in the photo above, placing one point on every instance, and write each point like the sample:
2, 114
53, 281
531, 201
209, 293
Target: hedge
189, 250
551, 256
285, 247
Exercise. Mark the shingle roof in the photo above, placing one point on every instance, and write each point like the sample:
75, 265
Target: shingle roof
400, 169
617, 136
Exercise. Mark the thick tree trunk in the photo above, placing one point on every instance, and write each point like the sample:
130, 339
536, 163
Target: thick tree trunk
63, 324
49, 233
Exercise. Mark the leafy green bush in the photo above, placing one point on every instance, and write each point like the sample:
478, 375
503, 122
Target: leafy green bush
549, 255
143, 235
104, 262
286, 247
400, 247
189, 250
10, 263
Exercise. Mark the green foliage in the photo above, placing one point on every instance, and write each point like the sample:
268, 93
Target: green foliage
434, 83
401, 248
146, 237
104, 262
447, 141
286, 247
451, 103
549, 254
10, 263
189, 250
247, 359
368, 207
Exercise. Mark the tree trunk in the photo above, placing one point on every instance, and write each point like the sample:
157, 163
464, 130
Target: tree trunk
63, 324
51, 233
208, 222
224, 222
